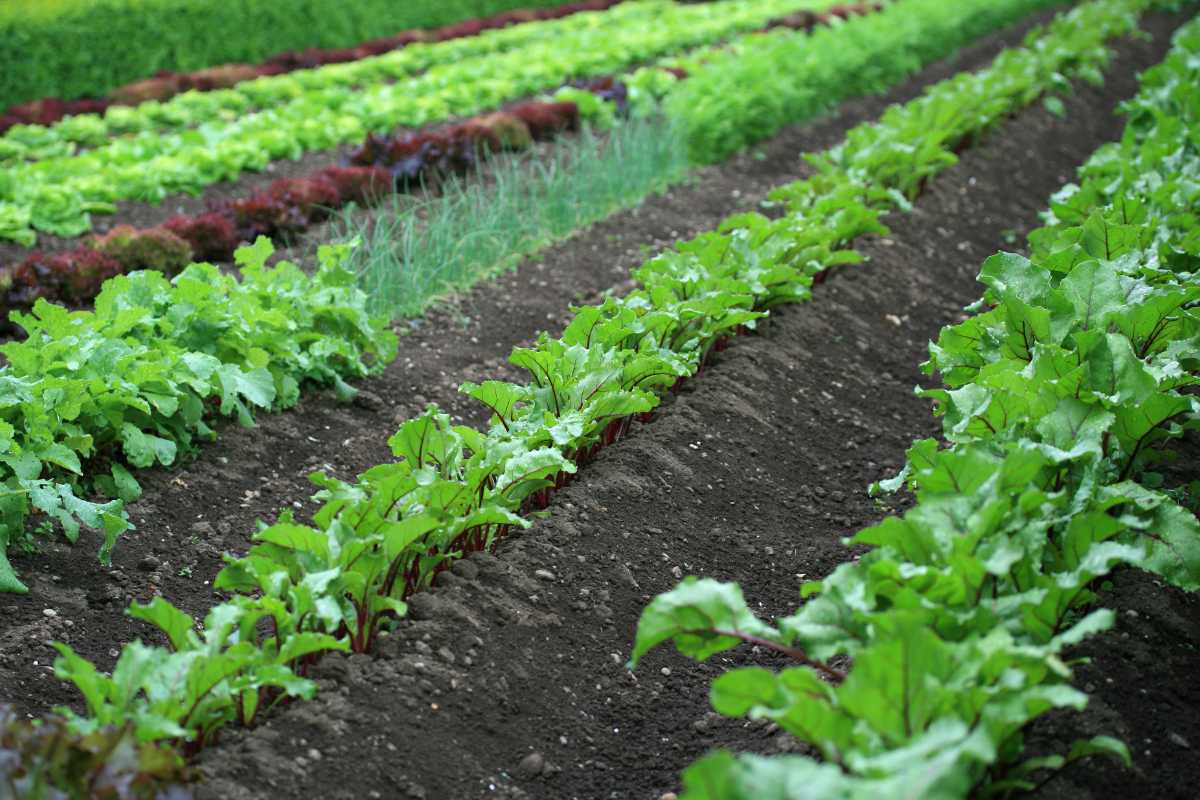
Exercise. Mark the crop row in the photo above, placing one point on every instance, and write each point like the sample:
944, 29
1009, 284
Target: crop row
57, 194
54, 463
49, 110
335, 583
287, 207
916, 667
879, 54
132, 383
77, 48
152, 114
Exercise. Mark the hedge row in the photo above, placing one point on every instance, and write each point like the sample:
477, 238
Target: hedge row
90, 47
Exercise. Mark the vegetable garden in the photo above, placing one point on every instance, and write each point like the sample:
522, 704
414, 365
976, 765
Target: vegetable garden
523, 407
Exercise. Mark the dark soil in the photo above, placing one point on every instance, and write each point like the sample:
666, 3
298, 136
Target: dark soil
1142, 679
753, 474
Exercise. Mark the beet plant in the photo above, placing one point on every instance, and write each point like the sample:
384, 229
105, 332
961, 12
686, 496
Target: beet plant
917, 666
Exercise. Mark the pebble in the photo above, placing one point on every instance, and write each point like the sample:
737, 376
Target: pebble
668, 796
149, 564
626, 575
531, 765
545, 574
1179, 740
49, 612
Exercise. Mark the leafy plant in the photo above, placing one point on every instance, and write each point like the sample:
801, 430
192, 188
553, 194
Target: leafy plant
154, 248
376, 541
186, 692
184, 349
45, 760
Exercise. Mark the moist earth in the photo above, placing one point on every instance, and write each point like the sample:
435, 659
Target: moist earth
509, 678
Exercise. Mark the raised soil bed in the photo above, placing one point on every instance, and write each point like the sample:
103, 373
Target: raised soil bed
509, 679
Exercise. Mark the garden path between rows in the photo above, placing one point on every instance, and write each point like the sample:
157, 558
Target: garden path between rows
753, 474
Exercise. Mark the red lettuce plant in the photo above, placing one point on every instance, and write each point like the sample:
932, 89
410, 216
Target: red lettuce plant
261, 215
47, 760
152, 248
212, 236
72, 278
312, 197
358, 184
547, 119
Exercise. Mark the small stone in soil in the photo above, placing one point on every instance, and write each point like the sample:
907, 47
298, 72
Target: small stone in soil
531, 766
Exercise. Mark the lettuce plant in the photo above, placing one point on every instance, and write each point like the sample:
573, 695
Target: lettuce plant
183, 348
45, 759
